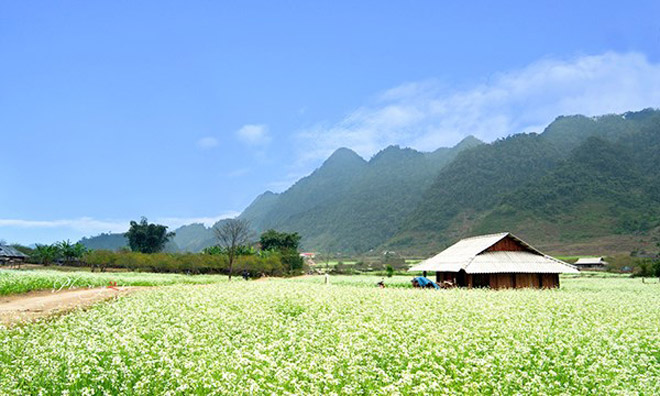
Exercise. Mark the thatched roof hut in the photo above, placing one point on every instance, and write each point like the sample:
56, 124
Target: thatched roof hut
497, 261
10, 254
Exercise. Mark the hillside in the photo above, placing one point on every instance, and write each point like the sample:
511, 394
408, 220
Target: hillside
584, 184
350, 204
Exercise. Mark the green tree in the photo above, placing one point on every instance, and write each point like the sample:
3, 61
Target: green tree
232, 235
147, 237
71, 252
46, 254
273, 240
287, 245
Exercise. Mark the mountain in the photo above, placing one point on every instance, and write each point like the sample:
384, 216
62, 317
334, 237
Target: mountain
584, 185
188, 238
350, 204
105, 241
193, 237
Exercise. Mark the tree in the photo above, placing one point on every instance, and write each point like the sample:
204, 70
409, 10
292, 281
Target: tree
71, 252
145, 237
46, 254
273, 240
285, 243
232, 235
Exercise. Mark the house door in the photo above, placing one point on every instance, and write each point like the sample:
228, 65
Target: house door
461, 278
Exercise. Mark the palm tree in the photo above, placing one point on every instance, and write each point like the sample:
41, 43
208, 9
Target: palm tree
46, 254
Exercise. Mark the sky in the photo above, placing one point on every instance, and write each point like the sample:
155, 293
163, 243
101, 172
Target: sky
186, 111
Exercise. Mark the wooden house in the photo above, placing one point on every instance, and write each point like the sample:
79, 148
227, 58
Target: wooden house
590, 263
497, 261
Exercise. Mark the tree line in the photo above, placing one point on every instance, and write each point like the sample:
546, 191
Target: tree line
274, 254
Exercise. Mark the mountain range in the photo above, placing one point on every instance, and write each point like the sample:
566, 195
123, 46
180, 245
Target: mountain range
585, 185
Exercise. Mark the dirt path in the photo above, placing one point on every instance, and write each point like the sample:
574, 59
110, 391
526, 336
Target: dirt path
38, 304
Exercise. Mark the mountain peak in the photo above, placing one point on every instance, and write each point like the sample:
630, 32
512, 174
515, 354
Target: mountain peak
395, 152
468, 142
344, 156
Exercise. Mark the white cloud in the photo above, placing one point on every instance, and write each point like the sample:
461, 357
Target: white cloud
206, 143
427, 115
256, 135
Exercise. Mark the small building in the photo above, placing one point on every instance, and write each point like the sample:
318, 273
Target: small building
498, 261
590, 263
11, 256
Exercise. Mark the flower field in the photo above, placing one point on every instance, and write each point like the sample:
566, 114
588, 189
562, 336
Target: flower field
592, 336
13, 281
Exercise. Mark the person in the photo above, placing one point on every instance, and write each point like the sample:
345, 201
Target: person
245, 274
381, 284
327, 279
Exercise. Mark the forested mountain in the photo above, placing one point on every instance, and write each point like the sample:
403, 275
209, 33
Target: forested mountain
105, 241
350, 204
584, 185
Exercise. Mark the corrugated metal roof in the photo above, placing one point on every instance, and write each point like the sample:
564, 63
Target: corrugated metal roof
519, 262
468, 254
590, 260
8, 251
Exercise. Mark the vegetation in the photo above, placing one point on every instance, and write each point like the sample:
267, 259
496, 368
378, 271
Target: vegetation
63, 252
188, 263
232, 236
286, 246
592, 336
349, 204
12, 281
145, 237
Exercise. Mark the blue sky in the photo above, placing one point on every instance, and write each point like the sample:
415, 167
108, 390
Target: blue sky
185, 111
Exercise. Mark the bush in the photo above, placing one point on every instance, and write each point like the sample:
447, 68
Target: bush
270, 263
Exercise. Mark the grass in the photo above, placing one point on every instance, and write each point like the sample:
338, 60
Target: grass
298, 336
21, 281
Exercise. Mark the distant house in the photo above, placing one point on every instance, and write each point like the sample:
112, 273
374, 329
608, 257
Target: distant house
9, 255
497, 261
590, 263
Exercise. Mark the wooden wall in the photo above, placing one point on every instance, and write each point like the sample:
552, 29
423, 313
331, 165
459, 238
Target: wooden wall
507, 245
500, 281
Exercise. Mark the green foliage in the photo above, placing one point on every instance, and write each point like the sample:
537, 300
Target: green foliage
390, 271
273, 240
241, 250
145, 237
270, 264
286, 244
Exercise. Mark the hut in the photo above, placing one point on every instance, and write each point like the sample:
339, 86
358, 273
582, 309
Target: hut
9, 255
497, 261
590, 263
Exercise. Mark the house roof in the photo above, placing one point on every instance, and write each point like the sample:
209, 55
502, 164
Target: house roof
10, 252
471, 255
590, 260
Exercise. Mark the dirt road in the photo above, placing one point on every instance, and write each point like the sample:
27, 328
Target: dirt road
38, 304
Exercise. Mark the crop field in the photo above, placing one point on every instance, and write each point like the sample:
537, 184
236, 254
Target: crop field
20, 281
592, 336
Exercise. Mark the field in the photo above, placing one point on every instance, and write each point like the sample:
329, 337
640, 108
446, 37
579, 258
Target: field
299, 336
12, 281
